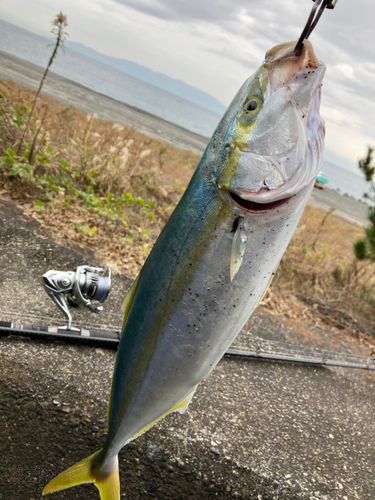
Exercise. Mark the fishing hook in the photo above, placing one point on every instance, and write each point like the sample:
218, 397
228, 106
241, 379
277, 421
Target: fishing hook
312, 21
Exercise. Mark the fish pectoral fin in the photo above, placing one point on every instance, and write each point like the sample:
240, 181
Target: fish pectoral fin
238, 248
89, 471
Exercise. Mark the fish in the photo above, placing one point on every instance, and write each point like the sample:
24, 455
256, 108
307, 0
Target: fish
216, 256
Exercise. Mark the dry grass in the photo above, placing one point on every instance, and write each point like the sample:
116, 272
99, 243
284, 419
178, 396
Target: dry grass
107, 155
96, 183
111, 189
319, 264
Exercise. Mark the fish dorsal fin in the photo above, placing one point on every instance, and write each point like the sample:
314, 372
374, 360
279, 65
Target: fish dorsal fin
126, 308
238, 248
129, 300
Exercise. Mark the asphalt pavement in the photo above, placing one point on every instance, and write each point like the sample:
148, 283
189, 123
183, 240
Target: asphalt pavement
344, 206
254, 430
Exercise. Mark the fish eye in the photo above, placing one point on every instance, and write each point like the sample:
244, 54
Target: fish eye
252, 105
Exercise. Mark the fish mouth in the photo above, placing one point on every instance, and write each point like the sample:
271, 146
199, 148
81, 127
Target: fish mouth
254, 207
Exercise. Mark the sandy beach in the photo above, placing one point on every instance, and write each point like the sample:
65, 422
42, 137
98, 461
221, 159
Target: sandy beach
69, 92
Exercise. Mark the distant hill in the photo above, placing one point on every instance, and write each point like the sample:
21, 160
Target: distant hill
164, 82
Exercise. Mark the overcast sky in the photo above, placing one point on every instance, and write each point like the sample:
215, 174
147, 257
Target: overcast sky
216, 44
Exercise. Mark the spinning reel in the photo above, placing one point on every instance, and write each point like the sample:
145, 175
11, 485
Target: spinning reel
79, 288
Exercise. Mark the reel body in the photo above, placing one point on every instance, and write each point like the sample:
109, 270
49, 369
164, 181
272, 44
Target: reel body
79, 287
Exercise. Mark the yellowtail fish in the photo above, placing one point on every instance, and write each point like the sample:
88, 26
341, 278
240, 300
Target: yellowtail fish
216, 256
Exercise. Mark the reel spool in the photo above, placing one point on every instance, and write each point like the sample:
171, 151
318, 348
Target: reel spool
79, 287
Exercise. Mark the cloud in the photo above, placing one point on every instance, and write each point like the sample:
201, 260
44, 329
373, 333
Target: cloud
194, 10
216, 44
245, 30
227, 41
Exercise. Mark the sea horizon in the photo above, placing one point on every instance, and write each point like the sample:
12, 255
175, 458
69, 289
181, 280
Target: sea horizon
124, 88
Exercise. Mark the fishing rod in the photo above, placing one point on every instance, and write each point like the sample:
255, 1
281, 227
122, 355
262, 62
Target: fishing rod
85, 285
252, 348
86, 288
368, 365
315, 14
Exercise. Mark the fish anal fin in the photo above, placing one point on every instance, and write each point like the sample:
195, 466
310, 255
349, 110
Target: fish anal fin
182, 407
179, 407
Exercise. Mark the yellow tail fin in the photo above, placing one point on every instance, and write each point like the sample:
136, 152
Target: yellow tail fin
86, 471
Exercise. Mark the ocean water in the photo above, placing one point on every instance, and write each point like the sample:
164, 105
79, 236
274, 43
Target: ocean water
344, 180
108, 81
